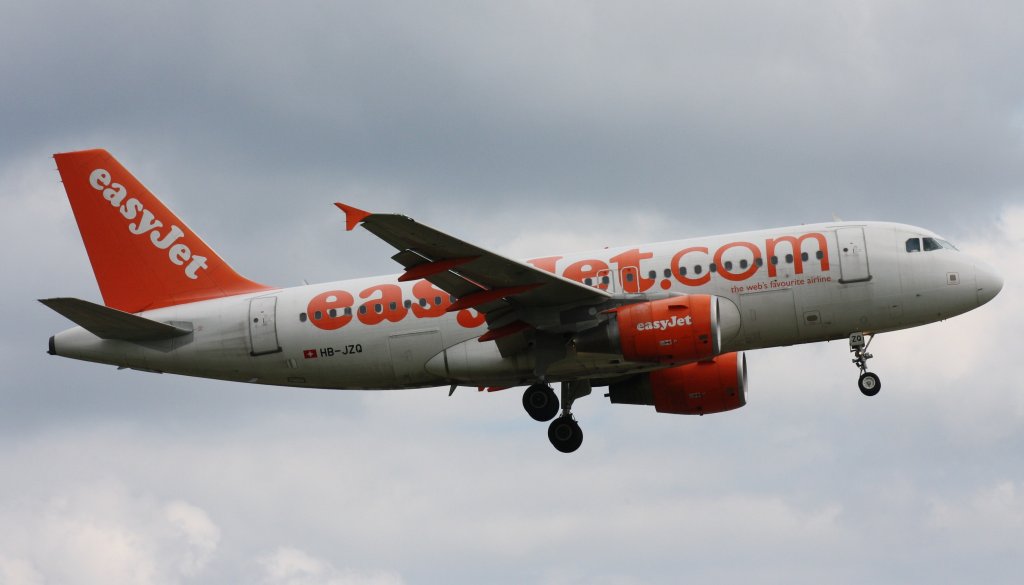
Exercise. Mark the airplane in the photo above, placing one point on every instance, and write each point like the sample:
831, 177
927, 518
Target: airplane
662, 324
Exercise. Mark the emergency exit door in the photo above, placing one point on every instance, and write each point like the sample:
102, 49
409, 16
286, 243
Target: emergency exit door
263, 325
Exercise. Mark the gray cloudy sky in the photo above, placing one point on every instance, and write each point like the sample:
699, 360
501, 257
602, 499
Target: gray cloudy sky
529, 128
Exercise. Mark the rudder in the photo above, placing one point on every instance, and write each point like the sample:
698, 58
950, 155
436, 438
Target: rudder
144, 257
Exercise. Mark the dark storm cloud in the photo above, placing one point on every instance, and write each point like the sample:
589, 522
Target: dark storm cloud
785, 112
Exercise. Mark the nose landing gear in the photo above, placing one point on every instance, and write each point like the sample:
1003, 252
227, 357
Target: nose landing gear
868, 382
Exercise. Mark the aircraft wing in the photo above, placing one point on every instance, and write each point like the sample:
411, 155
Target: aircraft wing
477, 278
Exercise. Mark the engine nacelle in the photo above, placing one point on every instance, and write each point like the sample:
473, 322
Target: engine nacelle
706, 387
681, 329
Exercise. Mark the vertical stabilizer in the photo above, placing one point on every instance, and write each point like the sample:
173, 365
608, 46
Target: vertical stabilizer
144, 257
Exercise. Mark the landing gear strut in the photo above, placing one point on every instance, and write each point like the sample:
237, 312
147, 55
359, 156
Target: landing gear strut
565, 433
868, 382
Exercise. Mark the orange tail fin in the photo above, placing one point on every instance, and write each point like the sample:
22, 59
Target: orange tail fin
143, 256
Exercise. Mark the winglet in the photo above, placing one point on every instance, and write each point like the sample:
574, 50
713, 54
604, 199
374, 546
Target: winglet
353, 216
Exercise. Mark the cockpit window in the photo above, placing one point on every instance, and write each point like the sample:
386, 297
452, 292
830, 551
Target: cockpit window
929, 245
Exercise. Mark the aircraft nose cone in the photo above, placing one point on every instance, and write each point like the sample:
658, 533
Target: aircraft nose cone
989, 283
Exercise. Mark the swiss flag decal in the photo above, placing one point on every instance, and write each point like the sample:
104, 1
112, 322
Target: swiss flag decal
309, 353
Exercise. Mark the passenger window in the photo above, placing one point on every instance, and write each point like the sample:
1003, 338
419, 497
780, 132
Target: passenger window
727, 265
362, 310
697, 269
348, 311
302, 317
378, 308
668, 273
629, 277
759, 261
333, 313
930, 245
652, 274
804, 256
682, 270
743, 263
819, 254
407, 303
318, 315
437, 301
588, 281
393, 305
913, 245
423, 302
789, 258
774, 260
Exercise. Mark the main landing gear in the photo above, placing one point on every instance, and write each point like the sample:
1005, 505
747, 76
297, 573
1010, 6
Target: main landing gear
868, 382
565, 434
541, 404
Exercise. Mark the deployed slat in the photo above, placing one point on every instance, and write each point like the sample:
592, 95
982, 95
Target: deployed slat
431, 268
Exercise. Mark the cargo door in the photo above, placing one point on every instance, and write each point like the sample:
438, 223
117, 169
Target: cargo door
853, 255
263, 325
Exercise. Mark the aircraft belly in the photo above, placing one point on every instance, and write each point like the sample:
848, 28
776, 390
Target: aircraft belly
410, 351
769, 318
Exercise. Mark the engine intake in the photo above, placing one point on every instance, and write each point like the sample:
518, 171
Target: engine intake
706, 387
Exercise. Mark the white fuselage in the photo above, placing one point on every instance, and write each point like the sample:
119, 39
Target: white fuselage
812, 283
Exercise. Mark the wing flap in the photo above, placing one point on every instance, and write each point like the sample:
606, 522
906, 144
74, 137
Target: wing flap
107, 323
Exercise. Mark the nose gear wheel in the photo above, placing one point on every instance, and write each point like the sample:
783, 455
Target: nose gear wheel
869, 384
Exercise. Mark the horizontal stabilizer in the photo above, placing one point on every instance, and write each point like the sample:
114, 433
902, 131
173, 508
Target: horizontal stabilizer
107, 323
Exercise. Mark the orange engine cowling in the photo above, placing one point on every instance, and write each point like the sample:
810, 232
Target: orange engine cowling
678, 329
715, 385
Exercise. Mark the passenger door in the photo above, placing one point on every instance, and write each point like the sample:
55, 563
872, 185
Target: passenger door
263, 325
853, 255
